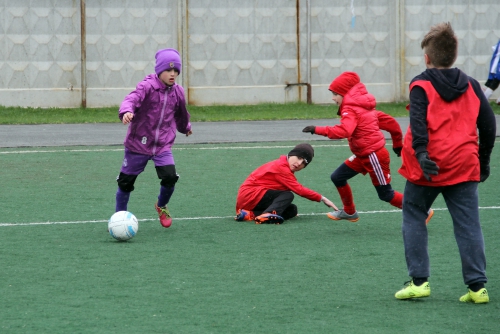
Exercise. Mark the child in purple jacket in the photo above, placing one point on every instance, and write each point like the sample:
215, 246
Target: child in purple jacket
155, 111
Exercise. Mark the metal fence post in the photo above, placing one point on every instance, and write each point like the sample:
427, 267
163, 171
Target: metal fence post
83, 52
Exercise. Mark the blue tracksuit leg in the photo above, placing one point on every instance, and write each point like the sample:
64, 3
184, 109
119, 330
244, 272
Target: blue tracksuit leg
416, 202
463, 204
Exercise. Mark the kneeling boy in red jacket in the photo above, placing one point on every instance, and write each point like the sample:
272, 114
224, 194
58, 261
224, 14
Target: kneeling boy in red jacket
266, 195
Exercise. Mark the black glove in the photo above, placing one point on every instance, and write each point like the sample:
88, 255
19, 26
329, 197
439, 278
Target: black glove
310, 128
397, 150
428, 166
484, 167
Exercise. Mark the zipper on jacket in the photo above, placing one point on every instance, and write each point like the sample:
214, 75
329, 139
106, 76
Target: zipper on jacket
157, 132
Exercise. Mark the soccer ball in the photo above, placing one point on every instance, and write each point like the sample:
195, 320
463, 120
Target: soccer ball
123, 225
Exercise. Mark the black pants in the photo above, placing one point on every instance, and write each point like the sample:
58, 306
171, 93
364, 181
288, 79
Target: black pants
279, 201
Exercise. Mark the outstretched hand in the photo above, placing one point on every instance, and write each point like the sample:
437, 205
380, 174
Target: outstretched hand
329, 203
189, 133
311, 129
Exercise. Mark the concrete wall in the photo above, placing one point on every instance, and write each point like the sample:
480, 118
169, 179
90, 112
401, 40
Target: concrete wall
234, 52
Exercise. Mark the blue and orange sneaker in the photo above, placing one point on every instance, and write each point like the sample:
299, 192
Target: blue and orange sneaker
242, 215
269, 218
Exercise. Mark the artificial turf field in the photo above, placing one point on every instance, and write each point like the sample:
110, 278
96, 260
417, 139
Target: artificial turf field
61, 272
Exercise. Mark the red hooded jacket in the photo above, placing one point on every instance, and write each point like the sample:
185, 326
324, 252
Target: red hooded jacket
360, 123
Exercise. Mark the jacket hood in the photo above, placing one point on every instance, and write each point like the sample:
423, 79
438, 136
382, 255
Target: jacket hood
450, 83
358, 96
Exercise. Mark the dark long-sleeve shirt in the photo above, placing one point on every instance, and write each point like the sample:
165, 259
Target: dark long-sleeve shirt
450, 84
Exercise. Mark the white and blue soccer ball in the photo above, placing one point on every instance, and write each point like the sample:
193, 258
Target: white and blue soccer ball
123, 225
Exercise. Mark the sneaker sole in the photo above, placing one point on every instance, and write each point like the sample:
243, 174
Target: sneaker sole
167, 225
335, 218
269, 221
475, 302
277, 222
412, 297
431, 214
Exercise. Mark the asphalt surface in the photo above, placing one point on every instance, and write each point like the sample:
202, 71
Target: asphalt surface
203, 132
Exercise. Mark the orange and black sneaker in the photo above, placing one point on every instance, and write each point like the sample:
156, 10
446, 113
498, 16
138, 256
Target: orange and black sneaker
242, 215
164, 215
269, 218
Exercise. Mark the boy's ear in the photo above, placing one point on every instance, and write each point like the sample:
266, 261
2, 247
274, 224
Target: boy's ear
427, 60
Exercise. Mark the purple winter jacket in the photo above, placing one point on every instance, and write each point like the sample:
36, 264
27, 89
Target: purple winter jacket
159, 111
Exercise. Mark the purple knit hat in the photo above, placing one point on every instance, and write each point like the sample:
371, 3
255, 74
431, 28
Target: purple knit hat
167, 59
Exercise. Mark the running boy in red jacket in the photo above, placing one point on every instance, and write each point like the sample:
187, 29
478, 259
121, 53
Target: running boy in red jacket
266, 195
361, 123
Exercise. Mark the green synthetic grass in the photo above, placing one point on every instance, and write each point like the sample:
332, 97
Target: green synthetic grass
62, 272
270, 111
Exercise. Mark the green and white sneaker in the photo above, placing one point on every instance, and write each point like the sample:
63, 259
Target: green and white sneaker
414, 291
479, 297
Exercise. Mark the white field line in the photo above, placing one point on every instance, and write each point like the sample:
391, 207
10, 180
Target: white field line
175, 149
209, 217
179, 148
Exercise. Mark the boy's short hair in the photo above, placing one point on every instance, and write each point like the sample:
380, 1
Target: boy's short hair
441, 45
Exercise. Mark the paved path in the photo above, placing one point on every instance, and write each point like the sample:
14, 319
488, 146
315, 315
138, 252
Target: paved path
203, 132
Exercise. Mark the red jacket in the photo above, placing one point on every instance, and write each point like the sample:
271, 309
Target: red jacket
274, 175
360, 123
453, 139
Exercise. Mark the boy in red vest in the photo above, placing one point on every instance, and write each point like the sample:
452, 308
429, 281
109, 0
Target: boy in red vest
441, 155
361, 124
266, 195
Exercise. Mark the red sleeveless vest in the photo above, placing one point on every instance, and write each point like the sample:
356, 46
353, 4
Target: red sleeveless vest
453, 140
